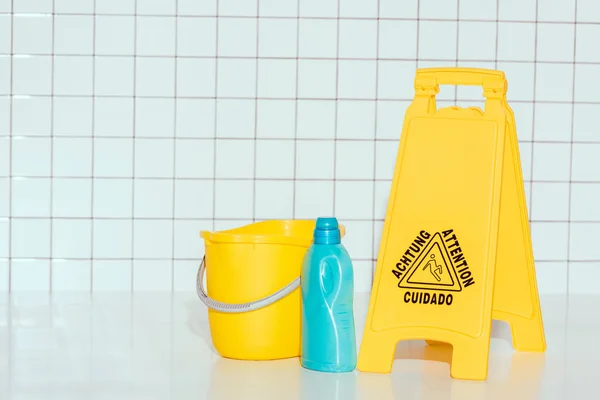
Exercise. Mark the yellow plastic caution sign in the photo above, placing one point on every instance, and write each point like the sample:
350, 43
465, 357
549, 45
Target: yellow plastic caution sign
455, 251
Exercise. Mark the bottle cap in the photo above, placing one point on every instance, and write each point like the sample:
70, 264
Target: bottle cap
327, 231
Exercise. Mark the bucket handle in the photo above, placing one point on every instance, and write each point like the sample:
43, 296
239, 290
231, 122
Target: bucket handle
242, 307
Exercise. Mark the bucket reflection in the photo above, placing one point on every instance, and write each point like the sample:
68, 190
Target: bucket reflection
249, 380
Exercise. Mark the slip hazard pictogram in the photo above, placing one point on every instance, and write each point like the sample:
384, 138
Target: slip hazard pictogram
433, 262
433, 269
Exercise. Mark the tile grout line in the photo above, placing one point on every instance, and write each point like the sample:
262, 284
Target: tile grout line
133, 177
569, 203
565, 221
174, 173
215, 119
321, 99
243, 178
289, 58
233, 16
10, 153
51, 211
374, 252
497, 32
457, 46
254, 140
418, 39
548, 261
531, 169
93, 132
295, 172
590, 142
335, 124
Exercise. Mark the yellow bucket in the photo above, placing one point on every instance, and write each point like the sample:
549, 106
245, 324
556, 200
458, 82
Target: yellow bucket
253, 280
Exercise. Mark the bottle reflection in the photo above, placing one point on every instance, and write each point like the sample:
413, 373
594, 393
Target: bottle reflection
327, 386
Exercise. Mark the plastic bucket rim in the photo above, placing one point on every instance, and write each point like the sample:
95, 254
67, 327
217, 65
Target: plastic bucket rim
230, 236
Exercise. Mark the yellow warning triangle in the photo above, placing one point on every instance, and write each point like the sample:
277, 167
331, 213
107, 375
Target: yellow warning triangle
456, 250
432, 267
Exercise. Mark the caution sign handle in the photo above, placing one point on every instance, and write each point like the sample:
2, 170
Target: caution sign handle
427, 81
487, 79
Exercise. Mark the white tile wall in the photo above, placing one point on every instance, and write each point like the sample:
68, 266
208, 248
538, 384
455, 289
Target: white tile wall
128, 126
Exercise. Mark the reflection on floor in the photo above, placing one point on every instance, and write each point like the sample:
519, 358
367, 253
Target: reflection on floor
158, 346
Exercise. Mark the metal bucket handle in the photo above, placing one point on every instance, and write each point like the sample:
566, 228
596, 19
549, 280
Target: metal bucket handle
242, 307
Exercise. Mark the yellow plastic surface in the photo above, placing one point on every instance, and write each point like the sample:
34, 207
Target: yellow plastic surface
247, 264
455, 250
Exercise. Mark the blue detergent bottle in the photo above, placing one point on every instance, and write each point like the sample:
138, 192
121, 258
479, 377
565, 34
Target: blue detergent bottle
328, 335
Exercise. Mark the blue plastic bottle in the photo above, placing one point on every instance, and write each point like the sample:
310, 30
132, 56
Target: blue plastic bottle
328, 336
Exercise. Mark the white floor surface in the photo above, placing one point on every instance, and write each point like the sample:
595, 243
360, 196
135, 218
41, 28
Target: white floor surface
158, 346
